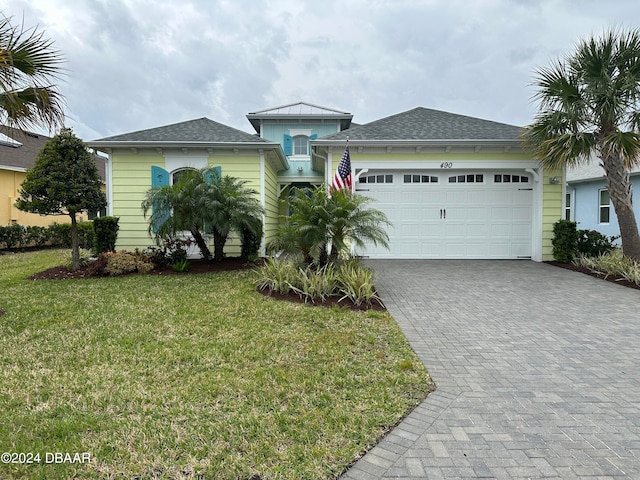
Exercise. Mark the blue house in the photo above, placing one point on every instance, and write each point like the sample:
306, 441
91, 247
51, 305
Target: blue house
587, 200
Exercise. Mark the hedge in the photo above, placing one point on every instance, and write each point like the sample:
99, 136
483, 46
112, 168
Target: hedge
55, 235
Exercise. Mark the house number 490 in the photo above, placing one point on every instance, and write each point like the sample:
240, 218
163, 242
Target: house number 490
446, 165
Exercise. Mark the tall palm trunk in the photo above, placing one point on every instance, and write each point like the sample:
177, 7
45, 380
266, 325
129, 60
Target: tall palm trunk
619, 185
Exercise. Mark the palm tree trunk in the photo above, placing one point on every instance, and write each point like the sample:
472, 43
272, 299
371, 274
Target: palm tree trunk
202, 244
619, 185
219, 240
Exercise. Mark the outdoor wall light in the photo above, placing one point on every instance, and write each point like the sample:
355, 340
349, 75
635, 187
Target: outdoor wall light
300, 169
554, 180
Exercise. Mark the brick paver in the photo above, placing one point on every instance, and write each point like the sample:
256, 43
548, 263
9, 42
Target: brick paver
537, 371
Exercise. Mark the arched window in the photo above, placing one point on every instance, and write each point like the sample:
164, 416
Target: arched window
301, 145
175, 176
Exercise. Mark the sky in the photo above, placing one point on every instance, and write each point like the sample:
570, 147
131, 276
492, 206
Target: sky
138, 64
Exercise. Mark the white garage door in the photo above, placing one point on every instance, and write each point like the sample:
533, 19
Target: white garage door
437, 214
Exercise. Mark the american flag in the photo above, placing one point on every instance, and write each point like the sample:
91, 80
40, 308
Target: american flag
342, 178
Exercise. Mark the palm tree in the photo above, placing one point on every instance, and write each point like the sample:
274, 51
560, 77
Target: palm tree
28, 67
322, 226
203, 203
232, 207
180, 207
589, 105
352, 222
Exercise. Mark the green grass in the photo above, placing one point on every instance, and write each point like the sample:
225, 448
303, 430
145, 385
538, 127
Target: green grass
197, 376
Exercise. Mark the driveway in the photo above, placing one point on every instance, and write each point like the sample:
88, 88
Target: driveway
537, 371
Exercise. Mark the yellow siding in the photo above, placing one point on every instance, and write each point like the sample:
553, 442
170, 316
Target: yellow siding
10, 183
552, 210
132, 179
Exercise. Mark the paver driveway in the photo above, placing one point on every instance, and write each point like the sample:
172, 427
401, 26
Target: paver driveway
537, 371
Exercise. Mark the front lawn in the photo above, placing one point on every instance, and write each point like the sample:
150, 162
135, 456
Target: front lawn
200, 376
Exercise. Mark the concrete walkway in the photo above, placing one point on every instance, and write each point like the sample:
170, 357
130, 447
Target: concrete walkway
537, 371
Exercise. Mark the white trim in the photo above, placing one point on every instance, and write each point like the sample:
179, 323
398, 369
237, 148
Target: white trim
13, 169
263, 202
181, 162
108, 164
304, 132
537, 213
454, 164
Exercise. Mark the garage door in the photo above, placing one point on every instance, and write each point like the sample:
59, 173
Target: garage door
437, 214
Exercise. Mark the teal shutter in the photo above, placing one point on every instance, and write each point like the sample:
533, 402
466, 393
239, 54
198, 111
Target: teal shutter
159, 178
212, 175
288, 145
312, 137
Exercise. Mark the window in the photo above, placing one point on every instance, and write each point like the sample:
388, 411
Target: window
420, 179
175, 176
300, 145
506, 178
567, 206
376, 179
469, 178
604, 206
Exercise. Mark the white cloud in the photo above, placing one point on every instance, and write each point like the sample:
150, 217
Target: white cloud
136, 64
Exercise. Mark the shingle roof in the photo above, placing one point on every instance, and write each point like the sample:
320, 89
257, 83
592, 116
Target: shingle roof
427, 124
20, 149
22, 152
199, 130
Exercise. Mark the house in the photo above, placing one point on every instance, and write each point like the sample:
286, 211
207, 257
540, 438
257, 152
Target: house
453, 186
18, 152
587, 199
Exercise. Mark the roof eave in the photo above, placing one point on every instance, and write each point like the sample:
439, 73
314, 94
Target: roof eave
416, 142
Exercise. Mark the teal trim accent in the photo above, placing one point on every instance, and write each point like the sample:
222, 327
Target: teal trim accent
313, 137
288, 145
159, 178
213, 175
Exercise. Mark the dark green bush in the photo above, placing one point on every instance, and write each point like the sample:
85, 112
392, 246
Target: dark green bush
106, 233
61, 234
592, 243
565, 241
12, 236
250, 244
37, 236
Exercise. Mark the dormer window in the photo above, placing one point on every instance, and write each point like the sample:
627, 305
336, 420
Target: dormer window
301, 145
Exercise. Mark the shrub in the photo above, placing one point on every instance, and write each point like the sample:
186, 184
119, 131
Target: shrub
316, 283
356, 283
612, 263
12, 236
250, 244
181, 266
35, 236
61, 234
106, 233
565, 241
120, 263
277, 275
592, 243
85, 256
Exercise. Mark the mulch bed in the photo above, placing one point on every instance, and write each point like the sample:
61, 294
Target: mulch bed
610, 278
201, 266
197, 267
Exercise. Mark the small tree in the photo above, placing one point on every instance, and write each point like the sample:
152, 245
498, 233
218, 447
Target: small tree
63, 181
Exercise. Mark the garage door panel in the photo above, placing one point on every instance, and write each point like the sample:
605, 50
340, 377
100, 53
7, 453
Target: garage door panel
442, 220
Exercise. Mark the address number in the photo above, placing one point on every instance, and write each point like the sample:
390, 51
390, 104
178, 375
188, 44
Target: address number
446, 165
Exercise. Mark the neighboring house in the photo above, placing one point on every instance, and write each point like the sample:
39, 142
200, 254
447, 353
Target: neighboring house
453, 186
587, 200
18, 152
